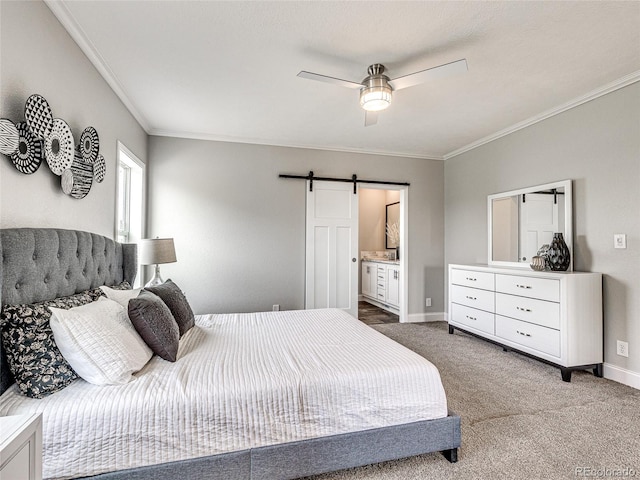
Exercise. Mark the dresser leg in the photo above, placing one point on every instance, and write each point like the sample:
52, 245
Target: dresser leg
597, 370
566, 374
451, 329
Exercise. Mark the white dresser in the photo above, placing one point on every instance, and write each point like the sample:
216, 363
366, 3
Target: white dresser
553, 316
21, 447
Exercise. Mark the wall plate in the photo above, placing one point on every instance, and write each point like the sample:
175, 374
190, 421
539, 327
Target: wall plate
619, 240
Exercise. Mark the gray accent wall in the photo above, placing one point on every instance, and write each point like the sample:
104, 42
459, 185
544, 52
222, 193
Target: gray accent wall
39, 56
597, 145
240, 230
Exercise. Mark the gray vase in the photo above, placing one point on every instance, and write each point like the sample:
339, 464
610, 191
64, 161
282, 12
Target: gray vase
558, 255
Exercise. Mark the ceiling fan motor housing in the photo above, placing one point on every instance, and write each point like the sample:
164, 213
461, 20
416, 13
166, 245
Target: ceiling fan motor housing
375, 94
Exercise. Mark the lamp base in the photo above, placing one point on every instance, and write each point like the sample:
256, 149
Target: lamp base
156, 280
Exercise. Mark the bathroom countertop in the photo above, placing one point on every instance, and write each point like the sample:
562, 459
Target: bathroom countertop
380, 260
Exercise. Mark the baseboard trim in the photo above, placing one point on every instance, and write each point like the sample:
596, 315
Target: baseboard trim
425, 317
622, 375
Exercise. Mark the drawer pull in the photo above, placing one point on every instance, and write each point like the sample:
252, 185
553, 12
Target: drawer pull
471, 298
471, 279
523, 286
523, 333
523, 309
471, 318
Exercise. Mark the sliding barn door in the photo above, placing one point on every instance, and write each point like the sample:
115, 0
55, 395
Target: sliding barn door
332, 247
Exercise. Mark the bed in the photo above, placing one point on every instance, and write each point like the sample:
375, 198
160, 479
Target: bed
252, 396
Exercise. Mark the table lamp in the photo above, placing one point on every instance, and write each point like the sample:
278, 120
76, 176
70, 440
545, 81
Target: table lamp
154, 251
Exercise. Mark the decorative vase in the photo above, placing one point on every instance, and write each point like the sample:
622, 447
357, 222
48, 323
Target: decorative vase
397, 253
538, 263
558, 255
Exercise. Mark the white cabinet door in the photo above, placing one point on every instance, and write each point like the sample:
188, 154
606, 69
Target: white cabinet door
332, 247
393, 286
368, 277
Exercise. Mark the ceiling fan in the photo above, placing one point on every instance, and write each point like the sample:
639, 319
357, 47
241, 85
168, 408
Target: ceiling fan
376, 90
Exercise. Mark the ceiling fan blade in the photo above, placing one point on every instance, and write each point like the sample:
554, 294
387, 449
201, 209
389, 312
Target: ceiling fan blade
324, 78
459, 66
370, 118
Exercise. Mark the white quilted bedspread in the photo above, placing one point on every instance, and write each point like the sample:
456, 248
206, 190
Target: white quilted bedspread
241, 381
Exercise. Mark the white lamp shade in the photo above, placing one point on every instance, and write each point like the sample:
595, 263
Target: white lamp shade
154, 251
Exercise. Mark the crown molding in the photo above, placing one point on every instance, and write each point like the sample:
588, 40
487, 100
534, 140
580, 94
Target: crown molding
68, 21
255, 141
608, 88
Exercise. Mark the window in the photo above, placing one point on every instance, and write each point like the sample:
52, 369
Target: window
130, 207
130, 199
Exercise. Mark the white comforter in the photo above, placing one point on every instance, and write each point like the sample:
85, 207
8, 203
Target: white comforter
241, 381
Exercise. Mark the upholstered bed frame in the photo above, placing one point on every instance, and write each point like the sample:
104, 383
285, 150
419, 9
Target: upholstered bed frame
42, 264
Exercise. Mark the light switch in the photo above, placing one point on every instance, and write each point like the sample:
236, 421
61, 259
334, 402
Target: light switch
619, 240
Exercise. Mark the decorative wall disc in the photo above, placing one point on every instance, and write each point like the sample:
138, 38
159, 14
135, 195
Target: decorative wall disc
58, 147
76, 180
8, 137
89, 144
38, 115
99, 169
66, 181
30, 152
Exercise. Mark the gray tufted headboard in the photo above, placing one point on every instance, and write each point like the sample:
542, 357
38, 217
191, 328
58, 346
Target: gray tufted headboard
45, 263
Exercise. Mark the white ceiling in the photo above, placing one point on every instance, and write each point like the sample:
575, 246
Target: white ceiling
227, 70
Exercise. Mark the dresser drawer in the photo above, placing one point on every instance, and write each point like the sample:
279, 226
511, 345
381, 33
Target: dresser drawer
470, 278
473, 297
542, 288
530, 310
536, 337
382, 294
472, 317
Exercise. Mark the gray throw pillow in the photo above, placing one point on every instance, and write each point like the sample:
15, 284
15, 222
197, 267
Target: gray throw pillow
154, 322
32, 354
171, 294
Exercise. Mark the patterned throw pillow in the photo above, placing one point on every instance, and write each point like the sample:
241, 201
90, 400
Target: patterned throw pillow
32, 354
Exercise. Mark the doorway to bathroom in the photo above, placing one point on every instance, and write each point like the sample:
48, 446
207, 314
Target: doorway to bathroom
382, 248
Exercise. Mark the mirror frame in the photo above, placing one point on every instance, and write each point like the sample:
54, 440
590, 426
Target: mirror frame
568, 219
386, 222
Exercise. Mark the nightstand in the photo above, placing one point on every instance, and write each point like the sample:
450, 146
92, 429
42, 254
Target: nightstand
21, 447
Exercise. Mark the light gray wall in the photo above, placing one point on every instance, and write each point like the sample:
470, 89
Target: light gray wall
240, 230
38, 56
597, 145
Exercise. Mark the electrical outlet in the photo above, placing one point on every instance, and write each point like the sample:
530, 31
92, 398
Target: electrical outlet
276, 308
427, 302
623, 349
619, 240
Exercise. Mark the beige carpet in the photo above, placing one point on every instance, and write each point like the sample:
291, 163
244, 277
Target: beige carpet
519, 419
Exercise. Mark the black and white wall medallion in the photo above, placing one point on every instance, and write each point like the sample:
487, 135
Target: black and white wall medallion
99, 169
43, 137
38, 115
58, 147
76, 181
29, 155
89, 145
8, 137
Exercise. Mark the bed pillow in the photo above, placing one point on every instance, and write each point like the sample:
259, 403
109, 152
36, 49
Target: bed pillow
99, 342
171, 294
153, 320
120, 295
32, 354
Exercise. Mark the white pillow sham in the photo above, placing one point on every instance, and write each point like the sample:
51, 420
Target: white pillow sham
120, 296
99, 342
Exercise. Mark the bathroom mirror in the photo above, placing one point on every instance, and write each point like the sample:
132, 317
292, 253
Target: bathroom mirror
392, 218
521, 221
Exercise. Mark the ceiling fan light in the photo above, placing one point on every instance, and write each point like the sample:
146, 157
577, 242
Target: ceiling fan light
375, 98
